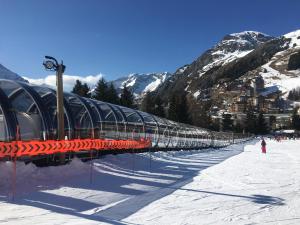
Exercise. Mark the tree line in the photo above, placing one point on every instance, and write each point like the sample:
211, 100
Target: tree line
177, 108
105, 91
294, 94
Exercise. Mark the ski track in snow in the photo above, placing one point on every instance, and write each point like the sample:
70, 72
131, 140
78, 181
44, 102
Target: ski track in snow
225, 186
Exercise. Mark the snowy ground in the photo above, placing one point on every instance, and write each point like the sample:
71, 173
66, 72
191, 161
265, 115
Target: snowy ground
235, 185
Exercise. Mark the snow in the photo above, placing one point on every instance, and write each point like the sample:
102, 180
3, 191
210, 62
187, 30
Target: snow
285, 83
295, 38
181, 70
249, 188
154, 85
222, 59
234, 185
249, 32
130, 82
196, 94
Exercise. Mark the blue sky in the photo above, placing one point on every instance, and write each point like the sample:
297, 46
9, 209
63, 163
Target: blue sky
118, 37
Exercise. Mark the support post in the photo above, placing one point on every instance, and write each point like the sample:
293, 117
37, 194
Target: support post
60, 108
51, 64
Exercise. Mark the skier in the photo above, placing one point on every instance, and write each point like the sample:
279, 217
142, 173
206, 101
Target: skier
263, 146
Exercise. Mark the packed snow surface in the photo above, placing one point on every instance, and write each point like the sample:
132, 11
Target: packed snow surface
234, 185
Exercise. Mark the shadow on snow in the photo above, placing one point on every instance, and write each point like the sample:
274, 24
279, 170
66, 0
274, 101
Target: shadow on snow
165, 173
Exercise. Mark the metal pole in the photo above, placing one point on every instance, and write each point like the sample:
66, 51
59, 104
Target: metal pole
60, 107
14, 178
91, 158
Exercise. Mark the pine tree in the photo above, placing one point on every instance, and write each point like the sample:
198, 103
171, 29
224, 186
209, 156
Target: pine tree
112, 95
81, 89
261, 125
201, 117
296, 119
158, 107
272, 121
250, 123
238, 128
183, 112
148, 104
101, 90
294, 94
227, 122
173, 108
86, 91
77, 87
178, 109
127, 98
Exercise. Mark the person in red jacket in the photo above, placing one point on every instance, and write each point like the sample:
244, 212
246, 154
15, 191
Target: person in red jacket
263, 146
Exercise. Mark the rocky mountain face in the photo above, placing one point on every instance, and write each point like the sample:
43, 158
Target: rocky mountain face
212, 65
141, 83
7, 74
239, 55
283, 69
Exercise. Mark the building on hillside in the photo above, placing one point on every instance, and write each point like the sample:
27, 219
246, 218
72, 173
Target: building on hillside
254, 95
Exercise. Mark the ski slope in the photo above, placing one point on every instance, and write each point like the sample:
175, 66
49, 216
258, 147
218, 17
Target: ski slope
235, 185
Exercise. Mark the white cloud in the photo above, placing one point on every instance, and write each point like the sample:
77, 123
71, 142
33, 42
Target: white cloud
69, 80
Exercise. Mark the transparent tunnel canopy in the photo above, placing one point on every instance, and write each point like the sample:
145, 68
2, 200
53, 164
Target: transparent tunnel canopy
151, 127
48, 97
26, 109
163, 132
97, 117
135, 128
121, 121
30, 113
109, 120
83, 120
3, 127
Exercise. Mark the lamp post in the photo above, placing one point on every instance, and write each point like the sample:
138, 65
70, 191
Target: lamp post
51, 64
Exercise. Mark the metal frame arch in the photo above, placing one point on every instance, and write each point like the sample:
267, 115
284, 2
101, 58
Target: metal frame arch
90, 112
143, 120
157, 128
97, 102
113, 113
35, 97
123, 115
177, 141
111, 106
88, 109
67, 110
85, 105
168, 130
10, 116
99, 112
200, 138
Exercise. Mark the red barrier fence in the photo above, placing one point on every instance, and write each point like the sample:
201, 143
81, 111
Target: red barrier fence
34, 148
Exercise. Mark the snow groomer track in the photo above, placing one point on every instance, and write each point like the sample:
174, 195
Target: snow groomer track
28, 126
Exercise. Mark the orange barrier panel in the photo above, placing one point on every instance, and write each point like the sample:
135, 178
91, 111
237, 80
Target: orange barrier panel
33, 148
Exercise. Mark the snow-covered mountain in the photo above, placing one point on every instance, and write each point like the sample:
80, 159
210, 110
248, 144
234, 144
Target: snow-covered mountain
247, 54
191, 77
7, 74
231, 47
141, 83
283, 69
